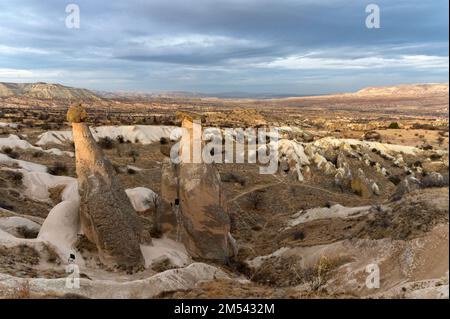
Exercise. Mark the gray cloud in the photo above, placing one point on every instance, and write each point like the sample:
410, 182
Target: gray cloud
253, 45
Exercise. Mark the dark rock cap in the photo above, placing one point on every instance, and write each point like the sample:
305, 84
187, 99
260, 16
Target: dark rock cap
181, 115
77, 114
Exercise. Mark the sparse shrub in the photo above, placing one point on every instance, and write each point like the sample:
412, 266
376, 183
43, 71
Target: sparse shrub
257, 227
394, 125
26, 232
14, 155
46, 126
395, 179
255, 199
133, 154
431, 180
117, 168
10, 152
6, 205
371, 136
5, 131
417, 164
52, 255
162, 265
43, 116
288, 271
120, 139
106, 143
155, 201
7, 150
58, 168
22, 291
38, 154
233, 178
55, 193
426, 147
131, 171
15, 177
298, 235
435, 157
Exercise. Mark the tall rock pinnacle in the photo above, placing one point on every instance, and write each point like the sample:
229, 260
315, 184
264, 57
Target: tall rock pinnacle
106, 214
193, 206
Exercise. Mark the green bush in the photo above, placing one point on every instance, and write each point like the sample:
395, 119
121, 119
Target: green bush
394, 125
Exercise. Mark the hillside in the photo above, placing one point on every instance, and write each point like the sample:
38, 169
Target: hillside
406, 89
42, 90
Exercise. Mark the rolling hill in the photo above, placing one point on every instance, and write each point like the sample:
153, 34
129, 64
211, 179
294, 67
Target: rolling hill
41, 90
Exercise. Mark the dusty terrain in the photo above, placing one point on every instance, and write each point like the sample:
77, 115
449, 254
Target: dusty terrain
303, 232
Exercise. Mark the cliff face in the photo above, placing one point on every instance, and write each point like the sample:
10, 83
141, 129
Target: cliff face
107, 216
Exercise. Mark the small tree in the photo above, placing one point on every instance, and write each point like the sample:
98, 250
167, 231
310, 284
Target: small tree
255, 199
120, 139
58, 168
106, 143
156, 201
394, 125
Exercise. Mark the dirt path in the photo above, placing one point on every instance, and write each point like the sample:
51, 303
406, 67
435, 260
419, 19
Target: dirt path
252, 189
258, 187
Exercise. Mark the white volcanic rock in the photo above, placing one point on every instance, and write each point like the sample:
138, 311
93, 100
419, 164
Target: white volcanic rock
13, 225
165, 249
141, 198
335, 211
11, 125
169, 280
144, 134
14, 141
31, 167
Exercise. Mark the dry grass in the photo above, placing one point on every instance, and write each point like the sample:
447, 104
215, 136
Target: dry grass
288, 271
55, 193
22, 291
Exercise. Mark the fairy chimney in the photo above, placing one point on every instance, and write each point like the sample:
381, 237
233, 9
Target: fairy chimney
106, 214
194, 209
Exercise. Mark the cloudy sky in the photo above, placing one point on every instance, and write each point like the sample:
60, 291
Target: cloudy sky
257, 46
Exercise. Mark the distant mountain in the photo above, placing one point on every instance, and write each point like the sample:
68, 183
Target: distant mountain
41, 90
247, 95
406, 89
151, 95
189, 95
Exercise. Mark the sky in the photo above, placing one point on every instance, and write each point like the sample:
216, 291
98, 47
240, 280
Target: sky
294, 47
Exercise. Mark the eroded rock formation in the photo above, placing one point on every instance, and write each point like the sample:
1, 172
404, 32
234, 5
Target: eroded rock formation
106, 214
193, 208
